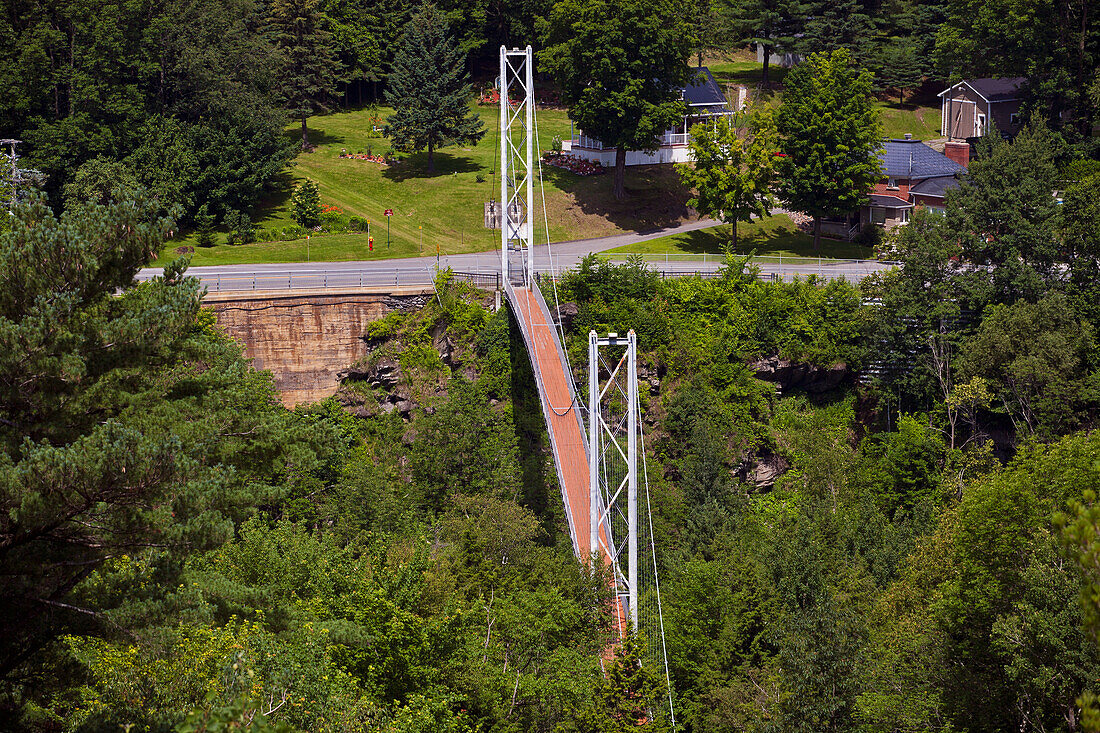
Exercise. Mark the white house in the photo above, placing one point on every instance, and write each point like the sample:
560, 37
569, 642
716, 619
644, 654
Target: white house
704, 99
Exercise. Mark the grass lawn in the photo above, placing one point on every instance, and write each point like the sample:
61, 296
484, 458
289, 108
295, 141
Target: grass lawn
771, 237
743, 71
923, 123
443, 209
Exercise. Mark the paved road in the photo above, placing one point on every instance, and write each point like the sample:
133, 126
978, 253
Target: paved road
421, 270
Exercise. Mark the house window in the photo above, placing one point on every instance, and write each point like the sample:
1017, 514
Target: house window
1014, 118
892, 183
979, 130
878, 215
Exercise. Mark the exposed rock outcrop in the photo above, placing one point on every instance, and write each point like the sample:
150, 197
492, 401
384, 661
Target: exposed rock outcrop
792, 375
760, 472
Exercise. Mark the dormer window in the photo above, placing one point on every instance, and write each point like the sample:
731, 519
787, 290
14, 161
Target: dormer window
892, 183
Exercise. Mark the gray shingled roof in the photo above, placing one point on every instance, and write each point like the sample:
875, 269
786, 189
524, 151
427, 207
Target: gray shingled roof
913, 159
937, 186
998, 90
888, 202
703, 90
994, 90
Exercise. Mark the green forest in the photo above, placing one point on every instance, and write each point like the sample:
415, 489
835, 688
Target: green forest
190, 100
875, 504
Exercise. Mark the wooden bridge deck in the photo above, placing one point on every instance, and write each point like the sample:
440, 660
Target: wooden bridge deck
563, 420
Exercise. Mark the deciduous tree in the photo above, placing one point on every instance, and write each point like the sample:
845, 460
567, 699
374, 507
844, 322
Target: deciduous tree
831, 136
619, 64
733, 163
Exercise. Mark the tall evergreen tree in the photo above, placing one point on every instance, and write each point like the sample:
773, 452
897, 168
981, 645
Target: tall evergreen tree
310, 64
429, 90
131, 431
834, 24
898, 66
771, 24
831, 136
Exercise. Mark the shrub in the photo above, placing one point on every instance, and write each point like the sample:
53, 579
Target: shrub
870, 235
357, 224
305, 205
204, 227
240, 227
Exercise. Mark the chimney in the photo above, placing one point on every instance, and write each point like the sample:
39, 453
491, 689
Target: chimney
958, 152
908, 136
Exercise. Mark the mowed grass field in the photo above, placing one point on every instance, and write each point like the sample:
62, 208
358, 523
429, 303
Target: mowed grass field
771, 237
444, 210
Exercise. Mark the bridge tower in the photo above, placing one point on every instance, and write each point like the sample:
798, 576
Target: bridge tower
613, 464
517, 143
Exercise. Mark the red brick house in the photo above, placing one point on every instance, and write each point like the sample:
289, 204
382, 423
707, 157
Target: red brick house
969, 107
916, 175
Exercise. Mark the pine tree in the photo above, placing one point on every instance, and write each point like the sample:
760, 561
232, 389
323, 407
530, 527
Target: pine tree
310, 65
899, 67
836, 24
131, 430
429, 90
771, 24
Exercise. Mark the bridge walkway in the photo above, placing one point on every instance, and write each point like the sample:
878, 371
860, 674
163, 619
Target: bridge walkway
564, 420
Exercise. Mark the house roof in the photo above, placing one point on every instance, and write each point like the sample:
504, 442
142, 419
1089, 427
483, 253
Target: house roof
889, 202
914, 160
703, 90
993, 90
936, 187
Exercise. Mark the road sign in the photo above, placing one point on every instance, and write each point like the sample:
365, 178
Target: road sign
389, 212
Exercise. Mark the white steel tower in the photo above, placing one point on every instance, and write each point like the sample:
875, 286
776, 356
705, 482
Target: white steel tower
517, 189
613, 417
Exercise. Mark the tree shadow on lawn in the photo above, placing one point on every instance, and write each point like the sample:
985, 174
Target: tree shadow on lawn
317, 136
655, 197
785, 239
416, 166
276, 198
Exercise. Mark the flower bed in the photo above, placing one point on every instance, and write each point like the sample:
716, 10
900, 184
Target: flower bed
365, 156
573, 164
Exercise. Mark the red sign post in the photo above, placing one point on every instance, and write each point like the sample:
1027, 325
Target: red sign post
389, 213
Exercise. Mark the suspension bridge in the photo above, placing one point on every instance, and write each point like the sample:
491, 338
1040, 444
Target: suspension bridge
597, 468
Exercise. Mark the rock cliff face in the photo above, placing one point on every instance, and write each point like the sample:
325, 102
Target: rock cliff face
305, 340
791, 375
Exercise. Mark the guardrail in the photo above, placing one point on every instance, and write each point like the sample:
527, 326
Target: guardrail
664, 264
313, 279
704, 257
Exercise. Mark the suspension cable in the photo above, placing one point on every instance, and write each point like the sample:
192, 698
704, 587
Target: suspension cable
656, 577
